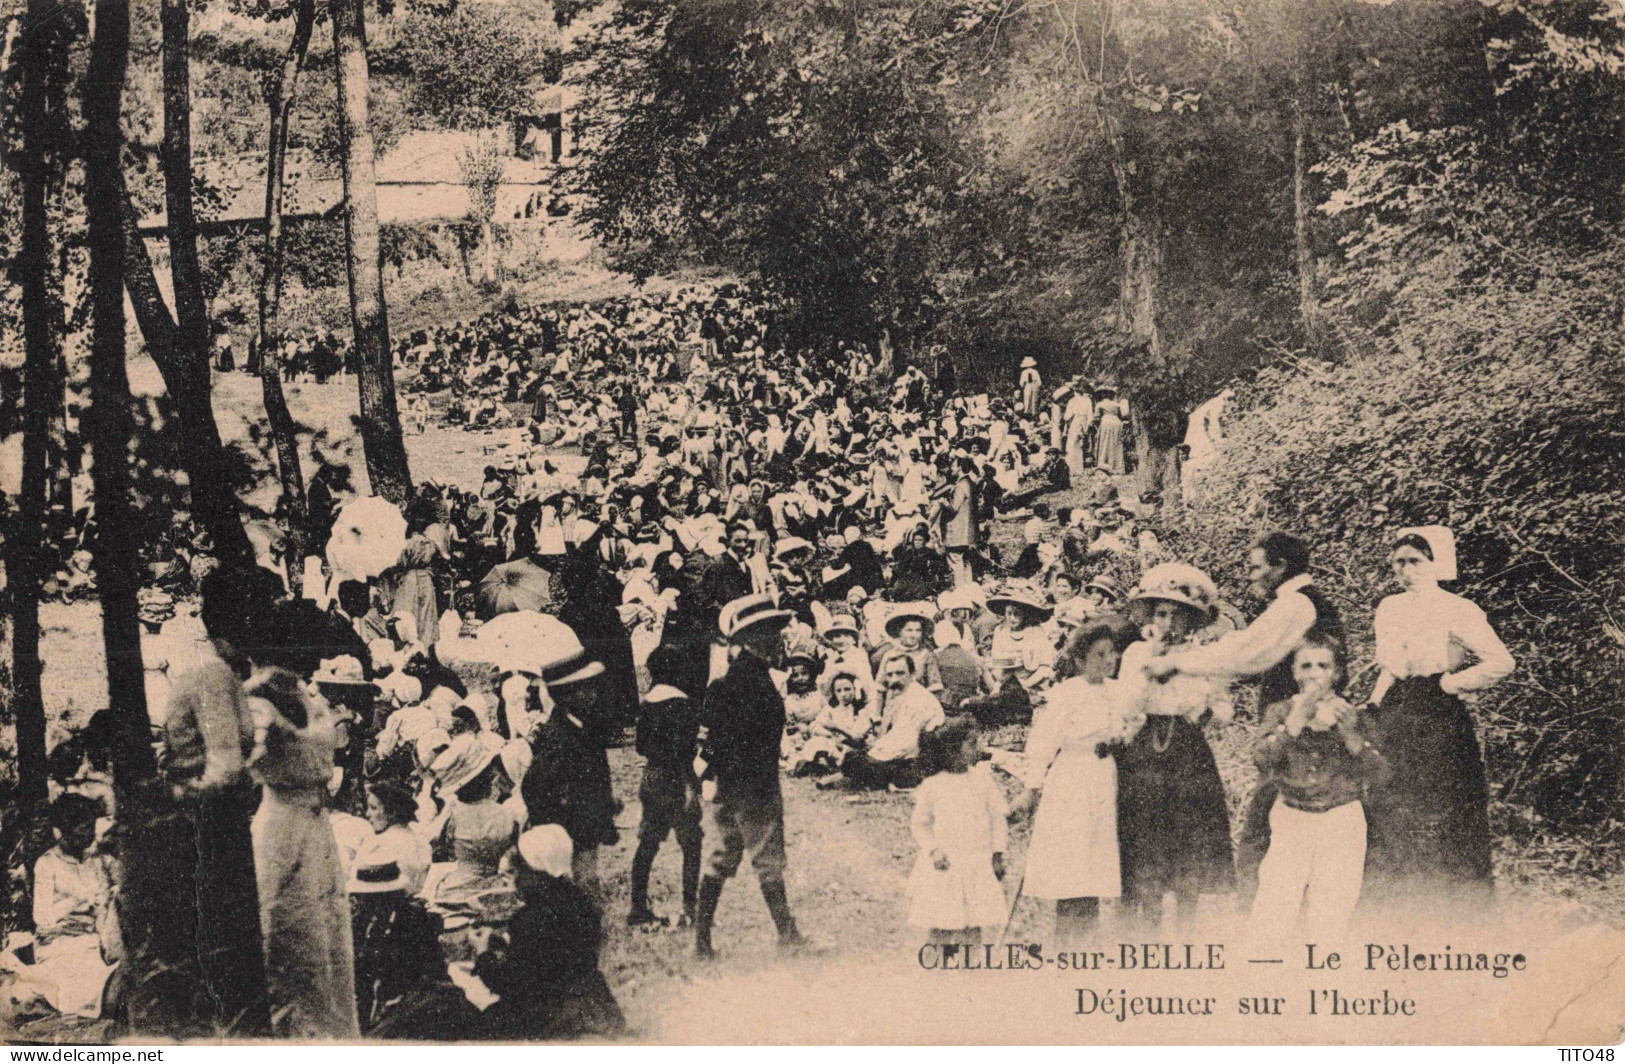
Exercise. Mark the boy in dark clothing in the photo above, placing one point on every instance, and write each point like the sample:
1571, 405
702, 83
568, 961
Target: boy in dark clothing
1316, 755
742, 809
668, 735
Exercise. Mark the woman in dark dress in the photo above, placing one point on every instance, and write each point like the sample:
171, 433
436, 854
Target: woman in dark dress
1429, 832
1172, 823
919, 573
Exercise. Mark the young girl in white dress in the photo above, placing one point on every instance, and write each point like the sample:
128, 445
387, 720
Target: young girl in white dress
959, 823
1073, 857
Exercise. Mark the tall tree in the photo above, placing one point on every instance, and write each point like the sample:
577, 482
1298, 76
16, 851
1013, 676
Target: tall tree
148, 902
481, 170
284, 433
47, 145
184, 364
110, 427
381, 437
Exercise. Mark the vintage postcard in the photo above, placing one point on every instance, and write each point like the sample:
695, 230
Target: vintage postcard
813, 522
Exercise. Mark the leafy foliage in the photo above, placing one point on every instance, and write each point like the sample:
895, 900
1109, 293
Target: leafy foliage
1487, 392
475, 65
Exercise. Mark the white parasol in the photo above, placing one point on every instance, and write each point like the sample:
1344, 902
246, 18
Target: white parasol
368, 537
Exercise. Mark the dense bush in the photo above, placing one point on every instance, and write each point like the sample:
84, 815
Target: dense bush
1497, 409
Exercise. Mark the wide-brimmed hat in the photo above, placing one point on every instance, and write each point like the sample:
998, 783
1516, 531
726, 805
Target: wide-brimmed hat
1004, 663
840, 622
1119, 629
379, 878
1177, 582
956, 598
1029, 363
156, 605
903, 612
461, 762
751, 611
1018, 595
1107, 586
807, 654
342, 671
429, 745
791, 545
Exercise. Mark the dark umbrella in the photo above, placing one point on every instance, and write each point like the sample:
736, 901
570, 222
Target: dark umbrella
517, 585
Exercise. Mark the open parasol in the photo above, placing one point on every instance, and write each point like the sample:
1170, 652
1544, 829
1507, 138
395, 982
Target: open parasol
368, 537
517, 585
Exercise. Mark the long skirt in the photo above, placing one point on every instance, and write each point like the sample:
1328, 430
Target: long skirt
1109, 444
305, 918
1429, 844
1172, 824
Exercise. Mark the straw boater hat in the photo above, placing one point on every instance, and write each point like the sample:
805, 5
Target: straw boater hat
377, 878
748, 612
791, 545
957, 598
342, 671
1177, 582
903, 612
1025, 597
562, 658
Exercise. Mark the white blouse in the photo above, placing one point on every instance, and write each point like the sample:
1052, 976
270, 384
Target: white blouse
1431, 631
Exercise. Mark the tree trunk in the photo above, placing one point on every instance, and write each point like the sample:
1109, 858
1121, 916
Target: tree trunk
110, 427
185, 269
1138, 315
462, 253
185, 365
148, 900
381, 438
186, 378
488, 262
284, 433
47, 140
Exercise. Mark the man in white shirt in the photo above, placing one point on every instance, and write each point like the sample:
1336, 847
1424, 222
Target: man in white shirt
907, 711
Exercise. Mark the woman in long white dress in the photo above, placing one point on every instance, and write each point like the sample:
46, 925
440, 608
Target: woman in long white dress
304, 904
1109, 432
1073, 857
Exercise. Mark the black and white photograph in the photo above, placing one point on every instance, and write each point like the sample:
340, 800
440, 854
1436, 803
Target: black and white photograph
812, 522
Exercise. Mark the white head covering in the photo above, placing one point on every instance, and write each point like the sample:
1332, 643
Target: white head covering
547, 849
1442, 543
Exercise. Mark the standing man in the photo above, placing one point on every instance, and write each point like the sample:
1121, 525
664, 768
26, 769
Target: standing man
1278, 567
742, 810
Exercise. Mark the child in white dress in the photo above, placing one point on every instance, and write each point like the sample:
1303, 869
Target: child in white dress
1073, 858
959, 823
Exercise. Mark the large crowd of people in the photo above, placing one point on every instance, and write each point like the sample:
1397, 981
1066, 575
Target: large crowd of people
763, 563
